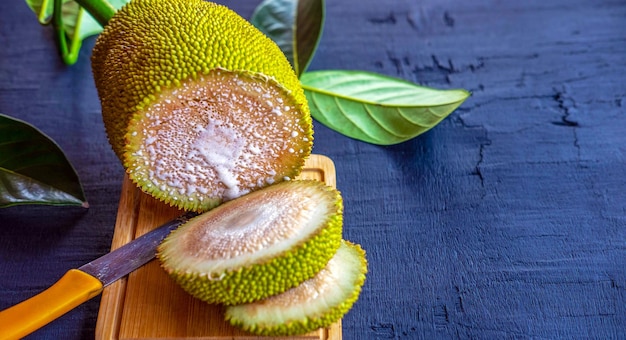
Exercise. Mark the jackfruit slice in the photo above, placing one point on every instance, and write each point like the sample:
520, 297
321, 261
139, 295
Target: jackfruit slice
257, 245
316, 303
198, 104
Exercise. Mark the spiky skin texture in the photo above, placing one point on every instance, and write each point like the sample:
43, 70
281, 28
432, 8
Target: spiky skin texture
151, 48
154, 44
272, 317
305, 243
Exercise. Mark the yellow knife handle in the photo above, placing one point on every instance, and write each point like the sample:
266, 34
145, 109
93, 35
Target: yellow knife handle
74, 288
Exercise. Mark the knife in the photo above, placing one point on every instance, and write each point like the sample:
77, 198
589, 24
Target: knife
82, 284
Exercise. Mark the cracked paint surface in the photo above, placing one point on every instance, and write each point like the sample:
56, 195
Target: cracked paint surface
492, 206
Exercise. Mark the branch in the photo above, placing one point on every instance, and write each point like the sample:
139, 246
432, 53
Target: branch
101, 10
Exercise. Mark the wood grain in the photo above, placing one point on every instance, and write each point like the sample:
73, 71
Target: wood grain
148, 304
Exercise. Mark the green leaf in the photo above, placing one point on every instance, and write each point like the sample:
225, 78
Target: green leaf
375, 108
294, 25
43, 9
76, 18
72, 23
78, 24
33, 169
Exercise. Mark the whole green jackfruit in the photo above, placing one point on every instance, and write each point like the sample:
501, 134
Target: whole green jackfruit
198, 104
316, 303
257, 245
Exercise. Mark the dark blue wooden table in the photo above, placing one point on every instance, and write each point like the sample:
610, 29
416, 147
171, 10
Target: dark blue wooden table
507, 220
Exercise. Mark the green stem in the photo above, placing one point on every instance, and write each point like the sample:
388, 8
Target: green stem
101, 10
69, 57
43, 16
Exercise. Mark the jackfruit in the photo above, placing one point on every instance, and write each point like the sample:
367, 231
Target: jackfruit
199, 105
316, 303
257, 245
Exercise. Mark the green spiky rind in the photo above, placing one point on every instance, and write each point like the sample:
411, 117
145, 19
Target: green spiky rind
138, 174
273, 276
174, 200
150, 45
235, 315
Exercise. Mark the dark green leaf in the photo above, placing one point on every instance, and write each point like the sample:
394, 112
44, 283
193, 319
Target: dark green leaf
309, 26
294, 25
33, 169
375, 108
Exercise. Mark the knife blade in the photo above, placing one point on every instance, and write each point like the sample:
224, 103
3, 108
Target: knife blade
82, 284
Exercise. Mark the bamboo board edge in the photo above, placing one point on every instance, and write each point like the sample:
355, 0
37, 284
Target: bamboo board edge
113, 299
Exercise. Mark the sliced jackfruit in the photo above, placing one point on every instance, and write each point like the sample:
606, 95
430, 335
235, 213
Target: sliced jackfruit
199, 105
257, 245
316, 303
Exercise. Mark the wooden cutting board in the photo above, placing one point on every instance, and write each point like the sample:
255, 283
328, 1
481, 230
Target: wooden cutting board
147, 304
